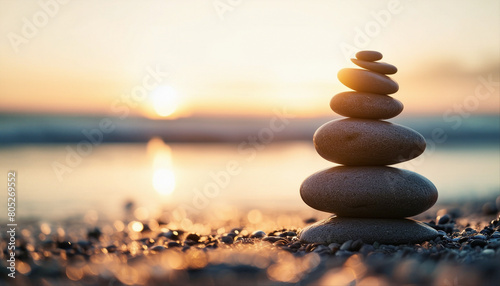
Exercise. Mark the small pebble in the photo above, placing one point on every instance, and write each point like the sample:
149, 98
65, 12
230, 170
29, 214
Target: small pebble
488, 252
478, 242
271, 239
310, 220
94, 233
111, 248
443, 219
227, 239
236, 230
64, 245
232, 234
311, 246
344, 253
193, 237
366, 249
171, 244
288, 233
280, 242
334, 246
495, 234
321, 248
356, 245
158, 248
487, 231
346, 245
479, 236
258, 234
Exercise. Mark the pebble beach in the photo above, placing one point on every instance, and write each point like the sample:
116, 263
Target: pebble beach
255, 247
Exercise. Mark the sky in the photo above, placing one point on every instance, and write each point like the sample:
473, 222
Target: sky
170, 59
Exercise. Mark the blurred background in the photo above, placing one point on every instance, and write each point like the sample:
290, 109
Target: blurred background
213, 104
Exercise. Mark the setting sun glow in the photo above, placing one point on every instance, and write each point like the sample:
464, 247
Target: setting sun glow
165, 100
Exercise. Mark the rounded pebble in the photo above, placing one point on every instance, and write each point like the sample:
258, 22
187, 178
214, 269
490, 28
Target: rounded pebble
346, 245
353, 141
227, 239
367, 81
193, 237
258, 234
385, 231
444, 219
368, 191
171, 244
370, 56
158, 248
479, 236
383, 68
365, 105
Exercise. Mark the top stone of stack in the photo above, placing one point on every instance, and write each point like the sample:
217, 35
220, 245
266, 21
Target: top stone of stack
372, 78
369, 56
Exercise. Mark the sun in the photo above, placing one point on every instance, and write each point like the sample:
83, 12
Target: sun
165, 100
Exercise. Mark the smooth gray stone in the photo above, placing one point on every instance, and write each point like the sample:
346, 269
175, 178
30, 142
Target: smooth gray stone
365, 105
370, 56
369, 191
380, 67
367, 81
385, 231
364, 142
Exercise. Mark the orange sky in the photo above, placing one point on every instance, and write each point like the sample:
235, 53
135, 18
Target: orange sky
87, 56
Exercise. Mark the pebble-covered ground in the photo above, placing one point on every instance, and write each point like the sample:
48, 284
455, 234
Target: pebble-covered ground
234, 247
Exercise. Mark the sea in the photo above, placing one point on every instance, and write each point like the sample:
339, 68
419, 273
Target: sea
206, 163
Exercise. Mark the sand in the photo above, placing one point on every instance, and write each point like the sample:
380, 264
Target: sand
258, 247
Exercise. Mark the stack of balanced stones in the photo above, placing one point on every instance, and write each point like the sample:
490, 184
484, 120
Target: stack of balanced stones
370, 200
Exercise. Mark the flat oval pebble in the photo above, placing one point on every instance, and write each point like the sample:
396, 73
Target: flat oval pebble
367, 81
365, 105
385, 231
355, 142
379, 67
370, 56
375, 192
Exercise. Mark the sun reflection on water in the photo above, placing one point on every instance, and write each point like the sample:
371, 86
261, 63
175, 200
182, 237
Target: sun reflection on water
163, 175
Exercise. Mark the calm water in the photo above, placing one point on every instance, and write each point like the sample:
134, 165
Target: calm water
155, 175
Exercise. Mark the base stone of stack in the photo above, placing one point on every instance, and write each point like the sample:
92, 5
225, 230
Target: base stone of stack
384, 231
